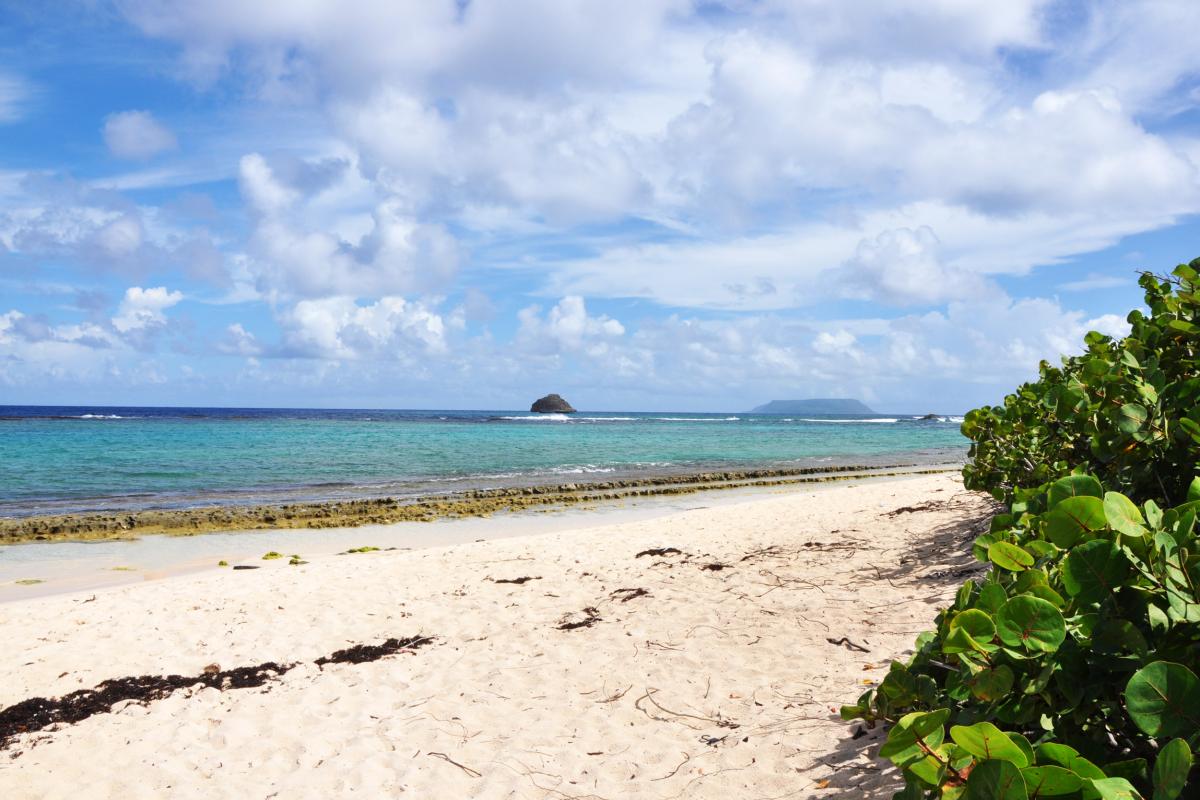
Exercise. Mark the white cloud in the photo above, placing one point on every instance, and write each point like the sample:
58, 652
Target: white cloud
306, 245
239, 341
389, 329
137, 135
142, 309
905, 266
567, 326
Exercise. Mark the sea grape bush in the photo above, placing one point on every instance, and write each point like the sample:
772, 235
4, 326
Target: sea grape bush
1070, 669
1072, 663
1127, 410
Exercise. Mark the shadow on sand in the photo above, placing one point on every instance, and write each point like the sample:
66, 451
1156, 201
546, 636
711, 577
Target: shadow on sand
937, 563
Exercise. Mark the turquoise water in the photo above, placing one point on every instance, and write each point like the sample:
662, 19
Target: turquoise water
62, 459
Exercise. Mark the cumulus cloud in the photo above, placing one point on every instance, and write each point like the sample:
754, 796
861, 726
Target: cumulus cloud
567, 326
298, 250
390, 329
137, 135
142, 309
239, 342
905, 267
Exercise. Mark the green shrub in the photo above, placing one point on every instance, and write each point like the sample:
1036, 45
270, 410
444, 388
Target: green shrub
1127, 411
1070, 669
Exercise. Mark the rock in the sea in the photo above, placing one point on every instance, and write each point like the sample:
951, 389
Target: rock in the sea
931, 418
552, 404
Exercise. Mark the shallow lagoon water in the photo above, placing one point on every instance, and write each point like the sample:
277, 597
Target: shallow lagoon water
66, 459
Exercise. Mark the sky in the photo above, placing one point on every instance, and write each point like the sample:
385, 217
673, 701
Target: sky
639, 204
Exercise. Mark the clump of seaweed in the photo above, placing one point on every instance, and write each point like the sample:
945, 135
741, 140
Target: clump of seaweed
222, 563
271, 556
37, 713
296, 560
579, 619
660, 551
362, 653
364, 549
518, 581
29, 581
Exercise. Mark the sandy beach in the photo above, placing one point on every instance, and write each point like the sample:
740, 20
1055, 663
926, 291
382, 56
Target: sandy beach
565, 664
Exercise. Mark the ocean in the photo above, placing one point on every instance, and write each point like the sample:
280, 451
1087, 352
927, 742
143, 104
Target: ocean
57, 459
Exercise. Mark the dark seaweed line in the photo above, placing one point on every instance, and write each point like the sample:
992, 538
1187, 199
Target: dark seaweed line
37, 713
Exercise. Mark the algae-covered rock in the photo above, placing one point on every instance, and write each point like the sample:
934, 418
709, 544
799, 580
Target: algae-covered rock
551, 404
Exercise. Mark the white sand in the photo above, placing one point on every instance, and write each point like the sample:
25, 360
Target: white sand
717, 684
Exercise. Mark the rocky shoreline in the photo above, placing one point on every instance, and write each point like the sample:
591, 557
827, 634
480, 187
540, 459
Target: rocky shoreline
476, 503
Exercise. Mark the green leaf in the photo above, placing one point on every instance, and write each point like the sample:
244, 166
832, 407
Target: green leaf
991, 683
1094, 570
1131, 418
1073, 518
1009, 556
1068, 758
1123, 515
996, 780
1115, 789
1163, 699
902, 745
1050, 781
985, 741
991, 597
969, 630
1194, 490
1032, 623
1171, 769
1073, 486
1024, 745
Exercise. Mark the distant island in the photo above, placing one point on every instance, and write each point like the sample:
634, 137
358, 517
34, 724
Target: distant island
820, 405
551, 404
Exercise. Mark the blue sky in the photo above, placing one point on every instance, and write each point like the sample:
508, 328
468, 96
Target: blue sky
641, 204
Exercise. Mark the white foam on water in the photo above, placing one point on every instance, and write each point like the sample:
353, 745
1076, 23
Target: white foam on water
851, 421
99, 416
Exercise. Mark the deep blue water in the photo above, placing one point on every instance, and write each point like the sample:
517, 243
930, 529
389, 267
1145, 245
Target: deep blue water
56, 459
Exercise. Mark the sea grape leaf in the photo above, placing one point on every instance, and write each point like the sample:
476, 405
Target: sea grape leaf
1073, 518
991, 683
985, 741
1123, 515
970, 630
996, 780
1118, 635
991, 597
1163, 699
1050, 781
1131, 417
1171, 769
1032, 623
1023, 743
1067, 757
1194, 489
1009, 556
1115, 789
1131, 769
1073, 486
1093, 570
932, 769
920, 726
